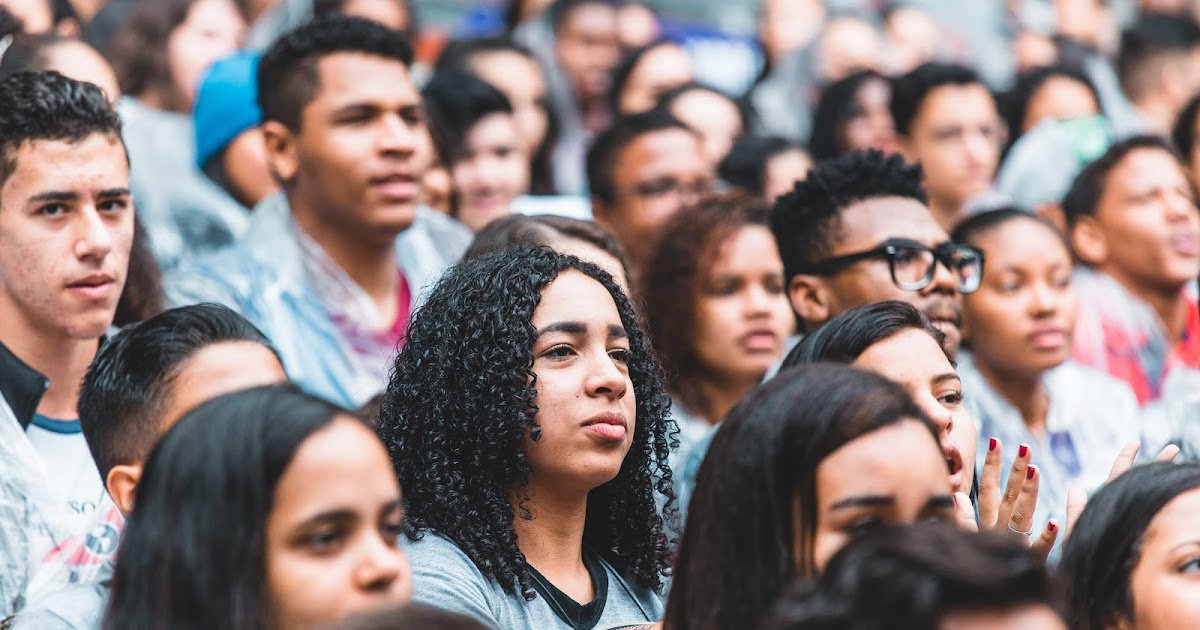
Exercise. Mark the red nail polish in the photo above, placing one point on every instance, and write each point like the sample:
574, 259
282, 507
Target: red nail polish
1022, 451
1029, 472
992, 444
1052, 526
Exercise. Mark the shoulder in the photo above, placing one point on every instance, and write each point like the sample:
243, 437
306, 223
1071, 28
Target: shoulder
445, 578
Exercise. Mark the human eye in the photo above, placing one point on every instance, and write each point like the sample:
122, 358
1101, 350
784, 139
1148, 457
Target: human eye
560, 351
864, 524
113, 206
1010, 284
620, 355
724, 287
1191, 565
391, 529
324, 539
774, 285
52, 210
952, 398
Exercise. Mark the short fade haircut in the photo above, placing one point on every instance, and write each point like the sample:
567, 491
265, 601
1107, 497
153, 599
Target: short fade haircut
909, 91
1147, 45
126, 388
606, 150
48, 106
1083, 198
807, 219
287, 74
558, 12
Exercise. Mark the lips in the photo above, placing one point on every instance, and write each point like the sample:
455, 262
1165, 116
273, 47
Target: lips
96, 286
1047, 338
608, 426
954, 461
1186, 245
398, 186
762, 340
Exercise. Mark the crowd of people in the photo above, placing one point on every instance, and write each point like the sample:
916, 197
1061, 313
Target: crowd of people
310, 318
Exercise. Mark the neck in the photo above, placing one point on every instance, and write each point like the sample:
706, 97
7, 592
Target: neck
720, 397
1170, 304
1023, 391
946, 213
552, 540
63, 361
370, 264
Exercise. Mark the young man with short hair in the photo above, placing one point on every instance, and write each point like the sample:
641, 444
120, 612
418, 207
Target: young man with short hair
857, 231
641, 171
1134, 225
331, 267
66, 230
947, 120
1158, 66
141, 383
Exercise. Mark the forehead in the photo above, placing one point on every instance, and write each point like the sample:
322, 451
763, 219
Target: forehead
1143, 166
1020, 240
954, 102
352, 77
1176, 523
219, 369
661, 152
867, 223
592, 19
96, 162
910, 357
879, 470
574, 296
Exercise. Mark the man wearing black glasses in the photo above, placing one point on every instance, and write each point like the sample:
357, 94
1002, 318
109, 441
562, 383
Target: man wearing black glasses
857, 231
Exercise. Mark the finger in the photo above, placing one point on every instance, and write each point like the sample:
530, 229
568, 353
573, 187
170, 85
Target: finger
1167, 454
989, 485
1021, 519
964, 515
1044, 543
1012, 488
1076, 500
1124, 460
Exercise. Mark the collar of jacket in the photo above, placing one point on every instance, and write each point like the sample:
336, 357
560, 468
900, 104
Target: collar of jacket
21, 386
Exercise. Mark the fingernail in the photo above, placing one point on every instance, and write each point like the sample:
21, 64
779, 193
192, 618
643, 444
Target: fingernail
992, 444
1030, 472
1052, 526
1023, 450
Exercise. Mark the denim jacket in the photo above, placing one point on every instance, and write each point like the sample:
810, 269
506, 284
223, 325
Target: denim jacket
262, 277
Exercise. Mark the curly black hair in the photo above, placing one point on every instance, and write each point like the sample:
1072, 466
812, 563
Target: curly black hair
806, 220
466, 365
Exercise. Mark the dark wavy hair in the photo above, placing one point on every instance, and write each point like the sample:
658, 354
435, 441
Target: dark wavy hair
806, 220
909, 91
835, 109
1016, 101
193, 555
753, 517
542, 230
845, 337
463, 396
911, 577
1105, 547
745, 166
673, 278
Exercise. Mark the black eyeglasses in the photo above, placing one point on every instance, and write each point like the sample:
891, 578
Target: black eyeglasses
913, 264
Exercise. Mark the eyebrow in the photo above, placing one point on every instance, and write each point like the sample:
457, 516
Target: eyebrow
578, 328
343, 515
62, 195
866, 500
948, 376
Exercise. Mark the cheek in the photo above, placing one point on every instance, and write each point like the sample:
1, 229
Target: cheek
825, 545
302, 589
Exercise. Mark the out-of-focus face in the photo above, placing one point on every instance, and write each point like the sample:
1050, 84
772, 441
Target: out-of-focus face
870, 126
355, 164
1022, 317
913, 359
490, 171
714, 117
246, 168
332, 539
783, 170
847, 45
660, 70
76, 60
865, 225
656, 175
36, 16
587, 49
1146, 225
587, 409
637, 25
913, 37
1165, 583
437, 189
956, 136
390, 13
743, 317
212, 29
1029, 617
522, 81
1033, 50
892, 476
1060, 98
66, 229
787, 25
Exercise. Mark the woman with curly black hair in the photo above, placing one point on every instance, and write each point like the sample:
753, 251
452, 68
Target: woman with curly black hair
527, 415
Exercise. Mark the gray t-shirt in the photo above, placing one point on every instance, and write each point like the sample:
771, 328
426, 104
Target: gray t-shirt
444, 577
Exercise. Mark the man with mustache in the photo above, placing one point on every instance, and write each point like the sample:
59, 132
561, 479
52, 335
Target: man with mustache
857, 230
66, 230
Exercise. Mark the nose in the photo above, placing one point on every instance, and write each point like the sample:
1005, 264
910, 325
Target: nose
942, 418
944, 280
397, 136
1043, 300
756, 300
605, 379
1179, 207
382, 567
94, 237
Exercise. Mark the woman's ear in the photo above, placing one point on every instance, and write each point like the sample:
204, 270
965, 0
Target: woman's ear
121, 483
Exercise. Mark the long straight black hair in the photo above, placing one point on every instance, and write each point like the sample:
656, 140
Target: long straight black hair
193, 556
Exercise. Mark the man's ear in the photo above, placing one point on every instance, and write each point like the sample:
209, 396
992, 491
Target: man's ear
280, 143
121, 482
1089, 241
600, 213
810, 298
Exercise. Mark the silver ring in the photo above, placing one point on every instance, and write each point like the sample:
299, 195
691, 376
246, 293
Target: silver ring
1020, 533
